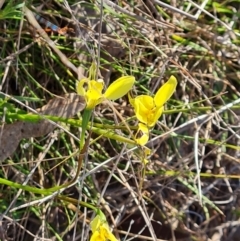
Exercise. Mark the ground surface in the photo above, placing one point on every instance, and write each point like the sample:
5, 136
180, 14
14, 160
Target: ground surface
189, 189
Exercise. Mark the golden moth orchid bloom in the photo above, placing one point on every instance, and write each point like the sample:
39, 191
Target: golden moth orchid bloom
94, 96
149, 109
101, 230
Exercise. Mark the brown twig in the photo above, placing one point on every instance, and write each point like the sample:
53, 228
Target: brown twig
31, 19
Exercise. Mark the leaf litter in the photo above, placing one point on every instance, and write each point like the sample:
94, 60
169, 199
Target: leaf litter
11, 134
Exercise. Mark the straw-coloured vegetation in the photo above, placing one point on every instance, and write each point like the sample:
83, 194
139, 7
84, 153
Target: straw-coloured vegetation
119, 120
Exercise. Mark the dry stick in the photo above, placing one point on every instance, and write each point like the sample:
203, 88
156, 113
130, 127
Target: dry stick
174, 131
76, 21
30, 17
171, 8
114, 6
1, 3
15, 54
38, 162
215, 18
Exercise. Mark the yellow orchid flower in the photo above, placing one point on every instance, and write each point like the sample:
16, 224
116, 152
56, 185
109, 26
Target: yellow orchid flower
101, 230
94, 96
149, 109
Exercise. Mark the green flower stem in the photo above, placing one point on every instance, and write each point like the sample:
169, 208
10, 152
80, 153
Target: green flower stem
35, 118
111, 135
76, 202
103, 129
100, 129
85, 120
44, 192
49, 191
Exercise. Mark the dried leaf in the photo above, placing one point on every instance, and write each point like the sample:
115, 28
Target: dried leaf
11, 134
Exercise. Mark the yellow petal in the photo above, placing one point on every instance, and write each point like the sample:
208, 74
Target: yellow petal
111, 237
143, 105
101, 230
145, 161
95, 223
131, 100
146, 101
80, 89
96, 86
155, 116
147, 151
94, 94
93, 71
96, 236
105, 231
165, 92
144, 132
119, 87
